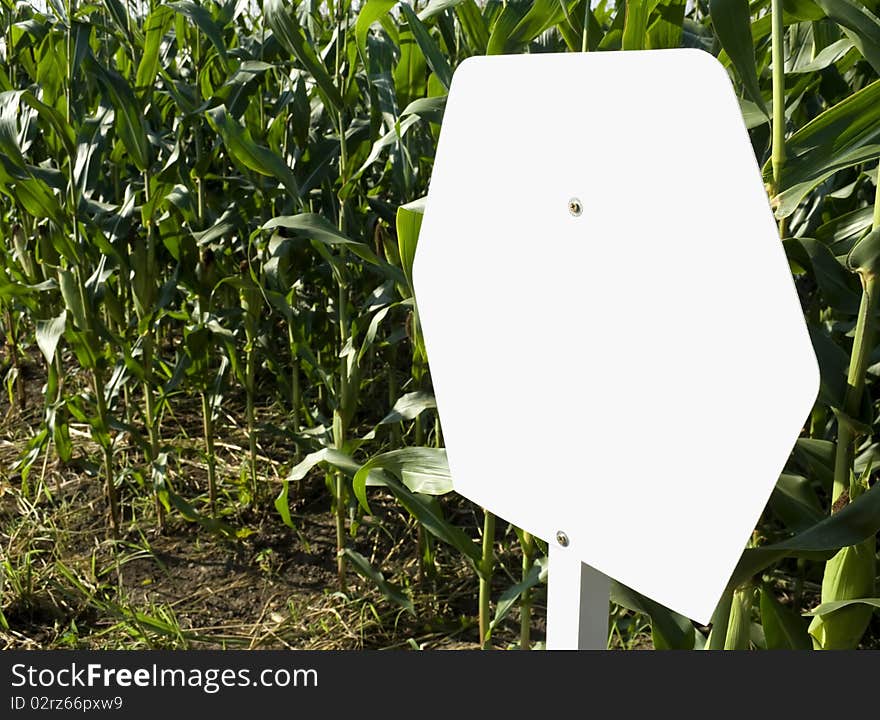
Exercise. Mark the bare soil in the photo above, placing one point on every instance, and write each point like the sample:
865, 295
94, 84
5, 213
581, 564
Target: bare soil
268, 586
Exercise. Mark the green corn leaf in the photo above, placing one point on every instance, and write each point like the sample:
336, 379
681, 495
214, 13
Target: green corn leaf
248, 71
371, 11
118, 13
783, 629
91, 139
794, 12
844, 229
244, 150
285, 27
818, 457
12, 290
788, 200
189, 513
635, 27
826, 58
856, 426
864, 258
156, 25
48, 334
424, 509
430, 109
300, 112
372, 329
720, 622
409, 407
130, 123
421, 469
33, 194
282, 504
860, 24
830, 607
384, 90
392, 138
317, 228
801, 10
409, 222
844, 135
70, 292
541, 15
427, 514
142, 277
795, 502
435, 59
508, 598
202, 19
833, 367
665, 32
670, 630
328, 456
732, 22
391, 591
840, 288
474, 26
435, 7
859, 520
410, 73
53, 118
504, 25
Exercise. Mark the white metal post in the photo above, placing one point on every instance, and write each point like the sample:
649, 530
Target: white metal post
577, 603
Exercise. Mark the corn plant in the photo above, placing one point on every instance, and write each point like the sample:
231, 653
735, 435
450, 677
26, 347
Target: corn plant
207, 200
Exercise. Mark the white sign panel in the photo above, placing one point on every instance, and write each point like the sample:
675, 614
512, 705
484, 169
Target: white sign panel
616, 343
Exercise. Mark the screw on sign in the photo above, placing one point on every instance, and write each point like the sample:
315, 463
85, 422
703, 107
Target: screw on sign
595, 322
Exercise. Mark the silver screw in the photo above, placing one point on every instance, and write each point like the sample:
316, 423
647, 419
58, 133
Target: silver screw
575, 207
562, 538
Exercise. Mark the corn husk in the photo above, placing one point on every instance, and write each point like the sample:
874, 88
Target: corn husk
848, 575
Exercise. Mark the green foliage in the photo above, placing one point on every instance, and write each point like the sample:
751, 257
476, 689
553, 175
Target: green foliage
202, 198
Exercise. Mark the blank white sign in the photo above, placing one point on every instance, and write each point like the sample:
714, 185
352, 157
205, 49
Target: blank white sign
636, 375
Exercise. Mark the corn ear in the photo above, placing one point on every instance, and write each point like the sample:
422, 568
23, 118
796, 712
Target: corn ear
250, 297
73, 298
143, 283
848, 575
23, 254
732, 621
48, 254
739, 624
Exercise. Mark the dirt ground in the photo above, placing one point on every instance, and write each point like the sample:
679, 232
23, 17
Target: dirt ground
64, 584
188, 588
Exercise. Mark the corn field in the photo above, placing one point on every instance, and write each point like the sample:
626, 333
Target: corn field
211, 357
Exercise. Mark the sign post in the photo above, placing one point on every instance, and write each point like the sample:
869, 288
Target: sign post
618, 352
577, 604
